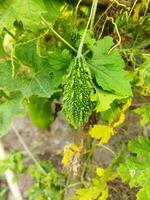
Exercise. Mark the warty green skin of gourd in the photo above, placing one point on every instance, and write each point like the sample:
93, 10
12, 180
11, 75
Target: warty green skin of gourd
77, 105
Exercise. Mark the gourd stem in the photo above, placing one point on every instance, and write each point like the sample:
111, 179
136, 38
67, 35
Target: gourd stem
93, 11
93, 15
59, 36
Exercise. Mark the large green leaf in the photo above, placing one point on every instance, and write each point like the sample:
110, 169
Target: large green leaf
108, 68
27, 11
10, 106
136, 168
33, 75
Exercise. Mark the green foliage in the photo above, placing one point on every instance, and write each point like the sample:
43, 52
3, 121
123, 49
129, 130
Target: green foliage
3, 191
143, 74
1, 45
107, 67
104, 100
35, 75
77, 103
144, 112
28, 12
45, 186
40, 112
136, 168
13, 161
10, 107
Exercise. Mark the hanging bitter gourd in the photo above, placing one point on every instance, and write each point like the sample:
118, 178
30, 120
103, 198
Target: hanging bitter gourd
77, 105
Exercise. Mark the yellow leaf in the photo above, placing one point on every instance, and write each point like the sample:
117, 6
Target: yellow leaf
102, 132
120, 121
75, 148
113, 176
104, 194
136, 12
139, 7
127, 105
122, 115
100, 171
69, 152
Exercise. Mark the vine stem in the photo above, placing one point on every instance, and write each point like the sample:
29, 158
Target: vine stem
77, 7
119, 37
93, 14
100, 35
59, 36
91, 17
105, 12
28, 150
107, 148
134, 4
13, 186
117, 31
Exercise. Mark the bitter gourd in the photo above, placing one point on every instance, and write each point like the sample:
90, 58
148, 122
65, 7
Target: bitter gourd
77, 105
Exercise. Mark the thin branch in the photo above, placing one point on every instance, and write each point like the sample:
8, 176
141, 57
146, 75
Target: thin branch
107, 148
119, 41
100, 35
105, 12
135, 2
121, 4
77, 7
28, 150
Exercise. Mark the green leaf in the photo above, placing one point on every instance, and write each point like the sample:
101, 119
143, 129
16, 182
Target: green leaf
27, 11
53, 8
13, 161
33, 75
1, 45
144, 112
59, 60
40, 112
143, 75
45, 186
10, 106
104, 100
136, 168
107, 68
